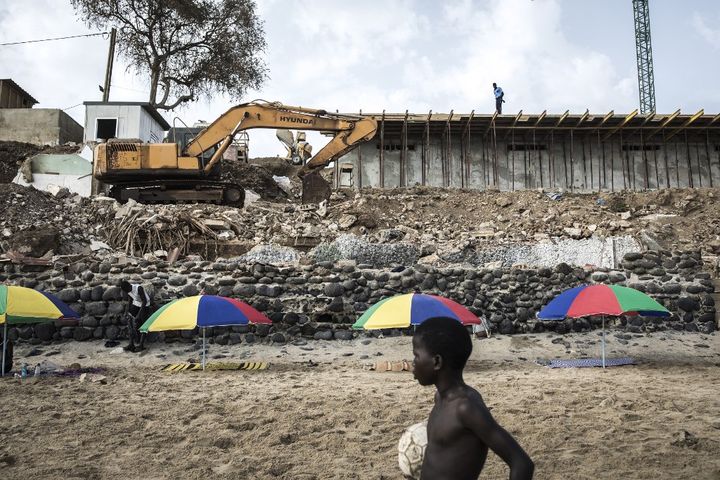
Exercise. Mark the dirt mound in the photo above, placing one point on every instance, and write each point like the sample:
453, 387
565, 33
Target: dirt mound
252, 177
12, 154
25, 205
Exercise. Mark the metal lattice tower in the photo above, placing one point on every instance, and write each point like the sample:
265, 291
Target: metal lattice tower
643, 48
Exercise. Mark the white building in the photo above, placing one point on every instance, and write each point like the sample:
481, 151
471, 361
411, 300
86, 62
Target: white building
105, 120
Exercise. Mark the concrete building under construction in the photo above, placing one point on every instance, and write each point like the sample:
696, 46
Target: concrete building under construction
582, 153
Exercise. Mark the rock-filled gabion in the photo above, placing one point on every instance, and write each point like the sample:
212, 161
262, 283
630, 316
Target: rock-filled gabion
322, 300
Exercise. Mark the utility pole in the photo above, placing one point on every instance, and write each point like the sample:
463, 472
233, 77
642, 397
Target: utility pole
108, 70
643, 49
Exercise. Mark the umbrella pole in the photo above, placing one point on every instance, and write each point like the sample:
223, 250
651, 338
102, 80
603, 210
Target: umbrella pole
203, 347
603, 341
4, 347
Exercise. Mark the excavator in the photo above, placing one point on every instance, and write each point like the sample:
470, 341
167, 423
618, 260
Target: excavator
169, 173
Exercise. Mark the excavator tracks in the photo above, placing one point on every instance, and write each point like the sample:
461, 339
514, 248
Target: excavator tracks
180, 191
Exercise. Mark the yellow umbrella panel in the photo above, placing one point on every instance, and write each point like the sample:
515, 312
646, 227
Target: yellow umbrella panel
25, 305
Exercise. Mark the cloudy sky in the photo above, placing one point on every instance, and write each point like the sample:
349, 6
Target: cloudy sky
404, 54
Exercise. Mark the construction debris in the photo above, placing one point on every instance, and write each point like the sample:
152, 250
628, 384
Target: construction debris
253, 177
430, 225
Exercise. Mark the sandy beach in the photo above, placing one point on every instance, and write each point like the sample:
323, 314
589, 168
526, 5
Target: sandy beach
318, 413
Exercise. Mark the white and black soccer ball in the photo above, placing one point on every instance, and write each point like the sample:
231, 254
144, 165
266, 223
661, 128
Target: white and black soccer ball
411, 450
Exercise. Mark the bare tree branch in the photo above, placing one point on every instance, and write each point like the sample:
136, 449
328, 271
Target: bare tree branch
178, 101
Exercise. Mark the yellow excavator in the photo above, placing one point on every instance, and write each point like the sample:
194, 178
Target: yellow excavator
168, 173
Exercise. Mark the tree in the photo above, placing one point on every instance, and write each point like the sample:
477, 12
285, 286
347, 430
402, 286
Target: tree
191, 48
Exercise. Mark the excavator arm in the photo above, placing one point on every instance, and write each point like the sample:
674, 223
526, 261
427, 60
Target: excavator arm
349, 131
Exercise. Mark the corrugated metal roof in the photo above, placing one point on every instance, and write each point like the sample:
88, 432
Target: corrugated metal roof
19, 89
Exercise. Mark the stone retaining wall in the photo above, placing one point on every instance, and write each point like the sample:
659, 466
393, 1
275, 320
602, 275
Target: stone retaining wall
322, 300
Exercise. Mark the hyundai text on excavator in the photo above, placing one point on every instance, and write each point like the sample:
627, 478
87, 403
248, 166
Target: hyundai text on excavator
166, 172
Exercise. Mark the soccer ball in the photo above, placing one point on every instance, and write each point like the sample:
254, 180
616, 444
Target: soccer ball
411, 450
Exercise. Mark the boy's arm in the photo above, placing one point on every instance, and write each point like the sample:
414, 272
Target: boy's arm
479, 420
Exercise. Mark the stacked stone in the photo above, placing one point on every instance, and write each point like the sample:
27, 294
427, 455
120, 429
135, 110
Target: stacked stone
322, 300
676, 279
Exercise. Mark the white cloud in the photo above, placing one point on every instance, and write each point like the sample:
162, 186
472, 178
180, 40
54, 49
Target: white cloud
371, 55
709, 34
61, 73
392, 56
520, 45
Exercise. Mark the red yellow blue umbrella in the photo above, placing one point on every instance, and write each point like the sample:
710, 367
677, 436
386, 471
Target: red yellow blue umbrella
591, 300
25, 305
412, 309
203, 311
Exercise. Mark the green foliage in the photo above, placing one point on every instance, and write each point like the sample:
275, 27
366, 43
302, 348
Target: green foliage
190, 48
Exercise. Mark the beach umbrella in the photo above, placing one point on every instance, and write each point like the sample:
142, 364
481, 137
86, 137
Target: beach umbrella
409, 309
601, 300
203, 311
20, 305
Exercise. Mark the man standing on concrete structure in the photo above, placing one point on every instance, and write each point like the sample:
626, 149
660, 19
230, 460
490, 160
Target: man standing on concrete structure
498, 98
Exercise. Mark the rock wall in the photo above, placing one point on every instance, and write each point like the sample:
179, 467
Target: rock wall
322, 300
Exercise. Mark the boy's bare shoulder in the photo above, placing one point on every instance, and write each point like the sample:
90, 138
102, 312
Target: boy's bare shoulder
470, 402
471, 394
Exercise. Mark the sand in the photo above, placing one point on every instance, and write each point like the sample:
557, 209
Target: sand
316, 413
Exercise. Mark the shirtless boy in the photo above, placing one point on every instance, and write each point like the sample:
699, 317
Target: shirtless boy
460, 427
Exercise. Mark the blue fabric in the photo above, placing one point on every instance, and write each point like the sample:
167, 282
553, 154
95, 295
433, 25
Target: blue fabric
217, 312
558, 308
62, 306
424, 307
654, 313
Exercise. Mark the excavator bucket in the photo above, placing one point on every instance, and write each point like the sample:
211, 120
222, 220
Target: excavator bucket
285, 136
315, 188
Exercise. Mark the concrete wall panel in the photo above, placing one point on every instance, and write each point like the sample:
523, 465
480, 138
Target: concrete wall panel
40, 126
579, 162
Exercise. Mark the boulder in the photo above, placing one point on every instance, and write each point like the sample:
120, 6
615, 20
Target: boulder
688, 304
343, 335
323, 335
35, 242
334, 290
82, 334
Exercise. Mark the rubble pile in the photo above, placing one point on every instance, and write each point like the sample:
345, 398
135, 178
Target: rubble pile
382, 228
23, 207
432, 226
477, 218
76, 220
450, 222
277, 166
252, 177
